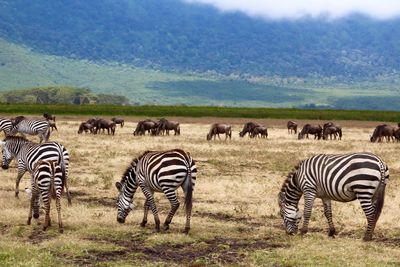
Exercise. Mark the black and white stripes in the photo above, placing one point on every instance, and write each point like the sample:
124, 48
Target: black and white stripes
5, 126
156, 171
343, 178
47, 182
32, 127
28, 153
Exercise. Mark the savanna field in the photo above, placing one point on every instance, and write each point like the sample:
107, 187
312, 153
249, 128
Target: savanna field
235, 218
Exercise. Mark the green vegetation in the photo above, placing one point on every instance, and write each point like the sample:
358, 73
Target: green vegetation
202, 111
198, 38
60, 95
23, 68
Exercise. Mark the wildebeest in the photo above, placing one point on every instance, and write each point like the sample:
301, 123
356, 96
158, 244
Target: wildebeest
383, 130
48, 117
259, 131
104, 124
331, 129
85, 126
316, 130
291, 127
52, 125
217, 129
145, 125
248, 128
119, 121
166, 125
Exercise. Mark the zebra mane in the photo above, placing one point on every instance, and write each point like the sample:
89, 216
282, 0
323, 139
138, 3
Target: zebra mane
128, 170
289, 178
18, 119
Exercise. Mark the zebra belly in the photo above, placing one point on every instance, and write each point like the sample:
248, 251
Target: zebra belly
346, 195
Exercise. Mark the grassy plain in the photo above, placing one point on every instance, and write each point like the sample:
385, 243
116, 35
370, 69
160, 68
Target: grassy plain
235, 213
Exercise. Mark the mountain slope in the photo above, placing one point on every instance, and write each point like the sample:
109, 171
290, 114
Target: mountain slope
175, 36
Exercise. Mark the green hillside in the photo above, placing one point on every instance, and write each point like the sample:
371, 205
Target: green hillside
22, 68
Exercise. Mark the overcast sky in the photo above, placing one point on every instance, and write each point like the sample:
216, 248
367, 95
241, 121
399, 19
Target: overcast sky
292, 9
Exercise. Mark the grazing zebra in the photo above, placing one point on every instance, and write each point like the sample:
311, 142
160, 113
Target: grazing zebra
156, 171
28, 153
343, 178
32, 127
47, 182
5, 126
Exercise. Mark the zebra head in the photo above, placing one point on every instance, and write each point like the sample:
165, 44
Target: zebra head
124, 203
126, 188
7, 155
290, 213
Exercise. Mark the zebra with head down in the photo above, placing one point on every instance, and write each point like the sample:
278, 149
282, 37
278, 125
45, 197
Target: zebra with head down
343, 178
158, 171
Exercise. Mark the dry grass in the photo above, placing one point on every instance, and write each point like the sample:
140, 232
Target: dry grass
235, 217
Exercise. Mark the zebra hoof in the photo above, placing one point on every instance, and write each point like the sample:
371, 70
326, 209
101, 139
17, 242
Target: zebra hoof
157, 229
16, 194
186, 230
143, 223
29, 221
303, 231
367, 238
61, 230
166, 227
332, 233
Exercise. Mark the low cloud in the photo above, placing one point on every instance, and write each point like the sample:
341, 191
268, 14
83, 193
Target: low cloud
293, 9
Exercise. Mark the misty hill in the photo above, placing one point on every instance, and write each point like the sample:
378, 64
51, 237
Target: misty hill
176, 36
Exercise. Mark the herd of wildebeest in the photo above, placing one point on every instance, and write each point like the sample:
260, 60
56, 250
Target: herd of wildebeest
163, 126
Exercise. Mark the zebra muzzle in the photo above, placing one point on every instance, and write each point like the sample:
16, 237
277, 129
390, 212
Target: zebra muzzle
120, 219
4, 167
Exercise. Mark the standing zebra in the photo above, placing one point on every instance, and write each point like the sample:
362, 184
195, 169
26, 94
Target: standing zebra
48, 182
343, 178
32, 127
28, 153
155, 171
5, 126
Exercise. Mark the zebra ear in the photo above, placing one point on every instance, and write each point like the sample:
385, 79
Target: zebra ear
118, 185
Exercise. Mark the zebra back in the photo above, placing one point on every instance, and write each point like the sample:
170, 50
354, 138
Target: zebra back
6, 126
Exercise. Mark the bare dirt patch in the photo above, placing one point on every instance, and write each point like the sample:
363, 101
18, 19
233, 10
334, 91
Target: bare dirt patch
214, 251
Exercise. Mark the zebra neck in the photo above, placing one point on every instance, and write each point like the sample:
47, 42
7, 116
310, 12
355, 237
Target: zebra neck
292, 189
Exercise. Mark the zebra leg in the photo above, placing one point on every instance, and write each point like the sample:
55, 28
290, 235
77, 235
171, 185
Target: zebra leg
150, 199
369, 211
33, 199
58, 205
145, 212
19, 176
46, 202
308, 205
328, 215
173, 199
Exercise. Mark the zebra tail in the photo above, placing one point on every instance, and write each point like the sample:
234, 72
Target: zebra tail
189, 192
379, 196
63, 167
378, 199
52, 187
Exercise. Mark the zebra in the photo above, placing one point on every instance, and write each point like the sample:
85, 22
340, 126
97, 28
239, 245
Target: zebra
32, 127
47, 182
5, 126
343, 178
158, 171
28, 153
